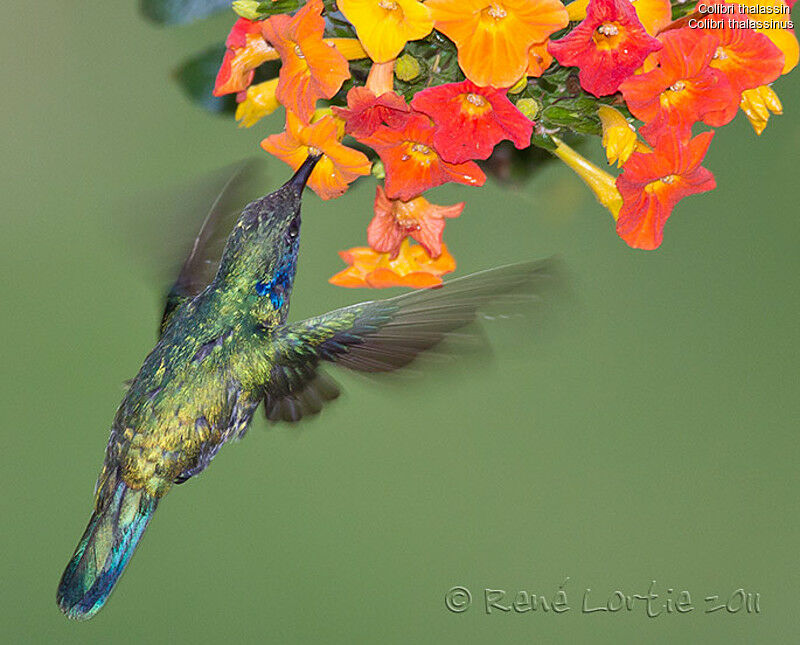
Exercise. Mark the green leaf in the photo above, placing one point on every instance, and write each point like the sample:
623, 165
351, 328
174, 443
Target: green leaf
560, 115
196, 78
174, 12
543, 141
279, 6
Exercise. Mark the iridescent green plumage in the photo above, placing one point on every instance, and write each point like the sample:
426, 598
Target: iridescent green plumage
225, 347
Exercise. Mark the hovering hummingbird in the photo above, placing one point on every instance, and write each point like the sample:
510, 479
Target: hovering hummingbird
224, 348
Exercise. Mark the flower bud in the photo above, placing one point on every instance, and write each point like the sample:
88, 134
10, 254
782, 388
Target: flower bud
407, 68
247, 9
529, 107
378, 171
520, 85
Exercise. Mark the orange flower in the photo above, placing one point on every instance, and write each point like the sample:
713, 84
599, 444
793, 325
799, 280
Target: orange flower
385, 26
747, 58
417, 218
785, 39
539, 59
311, 69
246, 50
652, 183
412, 163
339, 165
493, 36
412, 267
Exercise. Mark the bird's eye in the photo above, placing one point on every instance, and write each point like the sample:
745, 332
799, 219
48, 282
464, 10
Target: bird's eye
294, 229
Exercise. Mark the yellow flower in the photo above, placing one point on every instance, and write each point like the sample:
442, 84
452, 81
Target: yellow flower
577, 10
385, 26
619, 136
259, 102
757, 105
350, 48
602, 184
784, 39
493, 36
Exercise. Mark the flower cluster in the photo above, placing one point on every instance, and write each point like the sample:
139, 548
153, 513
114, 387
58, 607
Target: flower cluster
429, 89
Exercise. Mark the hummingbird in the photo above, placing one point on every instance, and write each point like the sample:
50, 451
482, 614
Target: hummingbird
225, 347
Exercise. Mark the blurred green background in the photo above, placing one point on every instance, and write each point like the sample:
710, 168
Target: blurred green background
649, 433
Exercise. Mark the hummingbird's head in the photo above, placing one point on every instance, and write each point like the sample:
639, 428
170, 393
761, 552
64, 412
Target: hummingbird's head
260, 256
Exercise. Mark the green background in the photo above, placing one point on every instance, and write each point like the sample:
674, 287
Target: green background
648, 432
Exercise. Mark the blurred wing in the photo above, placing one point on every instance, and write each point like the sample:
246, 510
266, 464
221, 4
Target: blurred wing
384, 335
199, 268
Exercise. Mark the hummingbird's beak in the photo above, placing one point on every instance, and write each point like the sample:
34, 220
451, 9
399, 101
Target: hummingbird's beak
298, 181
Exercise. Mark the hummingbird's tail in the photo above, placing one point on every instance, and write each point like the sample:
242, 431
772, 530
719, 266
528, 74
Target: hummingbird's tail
118, 522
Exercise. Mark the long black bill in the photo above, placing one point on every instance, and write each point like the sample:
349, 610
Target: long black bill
298, 181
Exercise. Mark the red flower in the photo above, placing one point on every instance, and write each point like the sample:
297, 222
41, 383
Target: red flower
682, 90
653, 182
311, 69
607, 46
247, 49
748, 59
417, 218
365, 112
412, 163
470, 120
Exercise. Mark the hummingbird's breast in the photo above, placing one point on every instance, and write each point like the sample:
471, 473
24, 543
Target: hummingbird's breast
183, 406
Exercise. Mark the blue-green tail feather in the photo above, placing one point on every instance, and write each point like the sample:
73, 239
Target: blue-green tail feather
106, 547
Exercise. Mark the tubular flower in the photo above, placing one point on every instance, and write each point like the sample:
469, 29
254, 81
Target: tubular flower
539, 59
246, 50
619, 136
757, 105
599, 181
652, 183
682, 90
311, 68
417, 218
385, 26
412, 267
784, 39
493, 36
259, 101
470, 120
608, 46
339, 165
412, 163
365, 112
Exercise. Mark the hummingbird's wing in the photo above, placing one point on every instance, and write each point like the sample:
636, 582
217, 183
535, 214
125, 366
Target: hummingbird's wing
202, 262
384, 335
